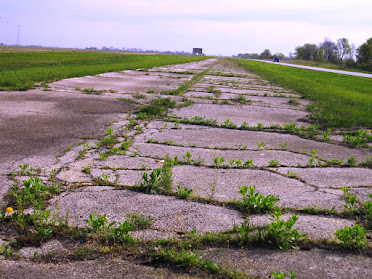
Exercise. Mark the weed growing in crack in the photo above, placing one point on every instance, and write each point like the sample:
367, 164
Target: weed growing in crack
86, 169
187, 157
158, 106
183, 193
245, 125
32, 192
198, 120
291, 174
294, 102
311, 161
81, 154
229, 124
352, 238
255, 202
218, 162
367, 211
274, 163
350, 200
351, 162
360, 140
367, 162
248, 164
113, 230
282, 234
334, 162
260, 126
109, 140
284, 146
139, 221
92, 91
314, 210
141, 115
261, 145
241, 99
282, 275
158, 180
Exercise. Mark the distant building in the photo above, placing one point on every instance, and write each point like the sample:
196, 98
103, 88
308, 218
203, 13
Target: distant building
197, 51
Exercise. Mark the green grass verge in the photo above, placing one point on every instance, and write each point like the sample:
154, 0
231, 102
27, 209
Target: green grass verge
341, 101
20, 70
325, 65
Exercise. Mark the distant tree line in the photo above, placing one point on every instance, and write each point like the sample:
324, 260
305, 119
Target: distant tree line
340, 52
266, 54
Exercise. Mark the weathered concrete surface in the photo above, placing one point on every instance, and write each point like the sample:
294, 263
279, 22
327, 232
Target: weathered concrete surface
171, 214
333, 177
311, 264
205, 155
127, 81
101, 268
40, 122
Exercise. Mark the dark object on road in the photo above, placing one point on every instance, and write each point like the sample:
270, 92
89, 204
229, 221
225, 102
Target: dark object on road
276, 59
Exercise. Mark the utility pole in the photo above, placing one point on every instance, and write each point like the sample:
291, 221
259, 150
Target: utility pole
18, 36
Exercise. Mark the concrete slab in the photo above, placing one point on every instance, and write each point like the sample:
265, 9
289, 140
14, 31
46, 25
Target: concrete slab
315, 263
315, 227
101, 268
229, 138
171, 214
239, 114
223, 185
333, 177
122, 82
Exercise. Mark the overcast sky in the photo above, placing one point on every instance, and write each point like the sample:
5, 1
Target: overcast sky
223, 27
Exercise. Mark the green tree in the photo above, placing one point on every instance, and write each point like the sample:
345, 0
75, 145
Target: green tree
266, 54
330, 50
364, 52
343, 48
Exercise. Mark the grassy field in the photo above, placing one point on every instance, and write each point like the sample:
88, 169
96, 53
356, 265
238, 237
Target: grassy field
325, 65
20, 70
341, 101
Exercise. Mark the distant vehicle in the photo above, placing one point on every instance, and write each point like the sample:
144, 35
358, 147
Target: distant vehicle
276, 59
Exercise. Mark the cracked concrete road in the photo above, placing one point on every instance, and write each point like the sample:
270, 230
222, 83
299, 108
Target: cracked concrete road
306, 174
